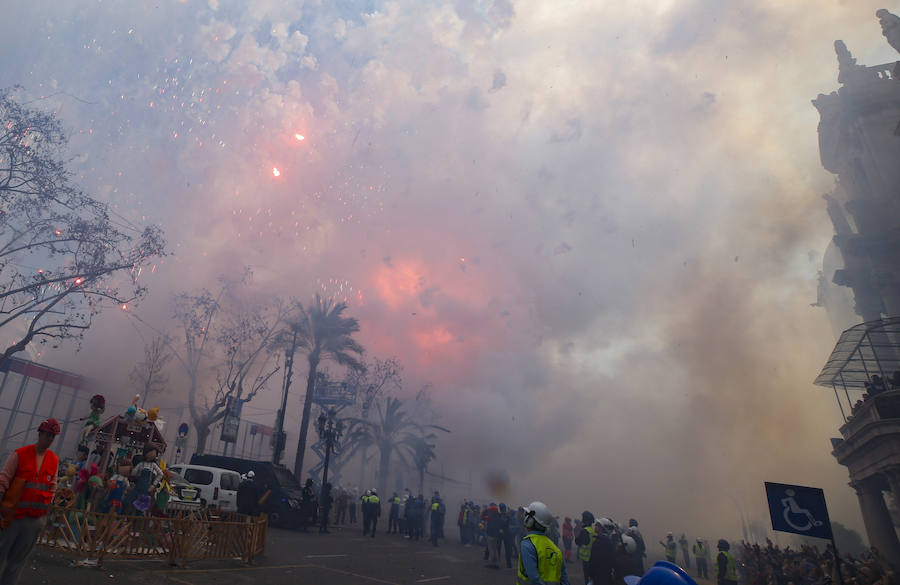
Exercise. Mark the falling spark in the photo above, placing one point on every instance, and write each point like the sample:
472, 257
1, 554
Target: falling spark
299, 136
276, 172
124, 307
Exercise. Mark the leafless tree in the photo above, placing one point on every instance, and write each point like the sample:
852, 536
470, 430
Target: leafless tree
62, 256
378, 377
228, 341
148, 376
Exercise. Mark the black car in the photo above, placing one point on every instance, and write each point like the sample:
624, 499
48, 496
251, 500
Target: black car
283, 504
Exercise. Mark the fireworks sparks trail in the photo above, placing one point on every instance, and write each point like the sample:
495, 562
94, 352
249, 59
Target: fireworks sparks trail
341, 290
276, 172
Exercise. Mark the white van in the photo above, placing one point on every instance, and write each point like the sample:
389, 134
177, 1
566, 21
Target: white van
218, 487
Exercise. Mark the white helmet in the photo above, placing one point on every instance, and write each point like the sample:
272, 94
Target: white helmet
606, 523
250, 474
539, 513
632, 531
629, 544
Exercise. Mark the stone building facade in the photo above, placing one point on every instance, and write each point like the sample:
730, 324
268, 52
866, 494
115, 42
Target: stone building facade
859, 141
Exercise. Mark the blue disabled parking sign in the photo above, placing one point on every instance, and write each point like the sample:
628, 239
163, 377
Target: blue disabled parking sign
798, 509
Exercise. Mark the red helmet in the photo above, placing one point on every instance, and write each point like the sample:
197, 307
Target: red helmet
51, 425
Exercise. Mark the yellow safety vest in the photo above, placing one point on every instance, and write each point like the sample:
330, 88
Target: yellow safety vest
435, 506
699, 550
397, 500
549, 561
365, 499
730, 568
584, 550
373, 499
671, 550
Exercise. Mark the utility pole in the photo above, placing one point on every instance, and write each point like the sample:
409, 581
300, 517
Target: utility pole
278, 438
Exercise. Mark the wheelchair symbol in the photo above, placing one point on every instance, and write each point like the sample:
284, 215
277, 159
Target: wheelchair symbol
792, 508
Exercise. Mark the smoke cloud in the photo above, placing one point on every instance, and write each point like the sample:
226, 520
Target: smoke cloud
593, 228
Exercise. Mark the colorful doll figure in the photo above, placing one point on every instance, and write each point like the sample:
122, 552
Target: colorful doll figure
98, 405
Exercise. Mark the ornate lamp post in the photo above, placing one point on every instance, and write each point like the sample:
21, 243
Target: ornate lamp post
330, 430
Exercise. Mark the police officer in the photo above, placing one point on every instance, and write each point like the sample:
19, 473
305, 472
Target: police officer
374, 510
726, 565
364, 509
585, 540
394, 514
437, 518
540, 561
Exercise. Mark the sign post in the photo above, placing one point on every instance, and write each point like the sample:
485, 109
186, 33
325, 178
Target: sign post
232, 420
801, 510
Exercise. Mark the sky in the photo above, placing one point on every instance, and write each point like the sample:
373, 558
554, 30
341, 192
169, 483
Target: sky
594, 228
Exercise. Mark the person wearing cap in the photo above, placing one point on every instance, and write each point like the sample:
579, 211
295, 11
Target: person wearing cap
662, 573
635, 533
685, 551
248, 495
603, 553
726, 565
585, 541
671, 547
540, 561
27, 487
699, 550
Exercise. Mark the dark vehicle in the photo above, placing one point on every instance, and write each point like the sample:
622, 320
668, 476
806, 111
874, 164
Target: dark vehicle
283, 504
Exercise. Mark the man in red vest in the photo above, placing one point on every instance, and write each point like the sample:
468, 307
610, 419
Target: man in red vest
27, 486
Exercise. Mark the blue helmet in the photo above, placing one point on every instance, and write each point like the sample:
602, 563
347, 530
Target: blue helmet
662, 573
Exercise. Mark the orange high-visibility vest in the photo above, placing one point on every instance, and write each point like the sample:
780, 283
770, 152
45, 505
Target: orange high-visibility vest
37, 494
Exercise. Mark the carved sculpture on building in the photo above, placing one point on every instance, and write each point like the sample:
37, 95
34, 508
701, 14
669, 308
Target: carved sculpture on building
890, 27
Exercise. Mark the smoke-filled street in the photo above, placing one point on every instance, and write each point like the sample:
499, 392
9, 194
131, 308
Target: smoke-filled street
566, 287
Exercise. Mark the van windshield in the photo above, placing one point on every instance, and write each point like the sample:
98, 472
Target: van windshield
285, 478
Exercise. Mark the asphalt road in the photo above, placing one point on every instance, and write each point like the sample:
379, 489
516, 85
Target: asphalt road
338, 558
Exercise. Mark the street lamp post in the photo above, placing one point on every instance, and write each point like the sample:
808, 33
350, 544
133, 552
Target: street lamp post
330, 430
278, 437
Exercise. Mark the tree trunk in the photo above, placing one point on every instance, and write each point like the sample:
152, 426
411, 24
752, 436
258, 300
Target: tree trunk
304, 422
421, 480
384, 469
362, 467
203, 433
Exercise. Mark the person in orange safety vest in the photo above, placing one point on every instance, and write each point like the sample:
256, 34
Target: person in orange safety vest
27, 487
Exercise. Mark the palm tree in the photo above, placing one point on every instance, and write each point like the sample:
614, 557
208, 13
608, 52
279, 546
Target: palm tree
392, 433
323, 333
422, 454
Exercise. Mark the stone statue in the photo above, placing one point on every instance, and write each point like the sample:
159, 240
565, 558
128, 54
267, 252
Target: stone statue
846, 62
890, 27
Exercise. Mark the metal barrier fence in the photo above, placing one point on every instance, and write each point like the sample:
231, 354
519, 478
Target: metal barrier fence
92, 537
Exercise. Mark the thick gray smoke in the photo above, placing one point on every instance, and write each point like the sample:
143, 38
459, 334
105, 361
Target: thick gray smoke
594, 228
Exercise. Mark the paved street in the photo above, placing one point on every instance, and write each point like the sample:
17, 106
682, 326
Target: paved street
339, 558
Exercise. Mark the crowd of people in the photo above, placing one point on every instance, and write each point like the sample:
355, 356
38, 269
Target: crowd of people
875, 386
771, 565
606, 551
